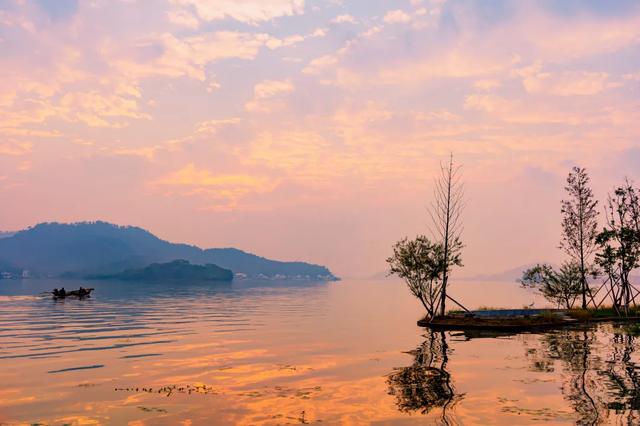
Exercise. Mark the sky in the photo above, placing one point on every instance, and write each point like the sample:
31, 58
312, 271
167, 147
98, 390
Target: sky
313, 130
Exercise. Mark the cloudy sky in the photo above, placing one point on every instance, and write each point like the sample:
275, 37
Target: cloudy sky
312, 130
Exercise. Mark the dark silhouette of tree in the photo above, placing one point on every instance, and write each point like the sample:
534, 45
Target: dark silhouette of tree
426, 384
579, 225
419, 262
619, 243
561, 287
445, 212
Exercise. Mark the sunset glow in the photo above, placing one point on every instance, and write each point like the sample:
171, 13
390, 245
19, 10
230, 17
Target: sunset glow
313, 130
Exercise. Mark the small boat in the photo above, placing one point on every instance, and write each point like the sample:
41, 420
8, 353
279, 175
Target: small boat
80, 293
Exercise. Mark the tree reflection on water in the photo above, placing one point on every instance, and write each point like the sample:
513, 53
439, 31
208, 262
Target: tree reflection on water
600, 378
597, 366
426, 384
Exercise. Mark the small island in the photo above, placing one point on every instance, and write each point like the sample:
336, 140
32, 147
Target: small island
592, 285
177, 270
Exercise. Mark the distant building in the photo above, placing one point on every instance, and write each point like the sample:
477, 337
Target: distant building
25, 274
6, 275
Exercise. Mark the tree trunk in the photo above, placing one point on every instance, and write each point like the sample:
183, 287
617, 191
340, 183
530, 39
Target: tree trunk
445, 271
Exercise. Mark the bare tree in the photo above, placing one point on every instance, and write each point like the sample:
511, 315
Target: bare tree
579, 225
445, 212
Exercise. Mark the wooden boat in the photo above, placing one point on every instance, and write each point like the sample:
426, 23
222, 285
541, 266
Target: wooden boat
80, 293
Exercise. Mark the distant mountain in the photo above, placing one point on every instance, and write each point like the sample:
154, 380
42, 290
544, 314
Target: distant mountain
93, 248
180, 270
512, 275
382, 276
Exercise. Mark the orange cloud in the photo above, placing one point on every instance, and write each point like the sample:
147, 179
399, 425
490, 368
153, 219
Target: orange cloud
566, 83
224, 190
248, 11
396, 17
267, 95
15, 148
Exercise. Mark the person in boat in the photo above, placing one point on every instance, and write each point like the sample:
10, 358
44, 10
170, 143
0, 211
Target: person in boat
62, 292
55, 292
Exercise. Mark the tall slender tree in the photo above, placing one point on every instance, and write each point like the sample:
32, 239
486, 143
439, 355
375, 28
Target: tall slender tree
579, 225
620, 242
445, 212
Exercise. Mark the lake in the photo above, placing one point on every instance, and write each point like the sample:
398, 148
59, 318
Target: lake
345, 352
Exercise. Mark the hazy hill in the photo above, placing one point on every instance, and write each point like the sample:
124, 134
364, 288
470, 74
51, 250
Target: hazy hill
180, 270
90, 248
512, 275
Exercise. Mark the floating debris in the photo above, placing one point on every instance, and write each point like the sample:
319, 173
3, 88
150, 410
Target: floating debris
538, 414
152, 409
64, 370
283, 392
287, 367
172, 389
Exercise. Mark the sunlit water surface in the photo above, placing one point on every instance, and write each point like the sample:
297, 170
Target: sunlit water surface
336, 353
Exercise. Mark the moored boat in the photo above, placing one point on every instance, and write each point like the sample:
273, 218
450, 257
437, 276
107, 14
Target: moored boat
80, 293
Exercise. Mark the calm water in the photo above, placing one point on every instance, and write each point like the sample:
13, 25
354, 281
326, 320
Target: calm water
337, 353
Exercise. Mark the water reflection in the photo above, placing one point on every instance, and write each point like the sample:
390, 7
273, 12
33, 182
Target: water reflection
597, 367
572, 349
426, 384
601, 372
249, 354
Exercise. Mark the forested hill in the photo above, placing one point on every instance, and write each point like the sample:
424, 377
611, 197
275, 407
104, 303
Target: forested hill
180, 270
90, 248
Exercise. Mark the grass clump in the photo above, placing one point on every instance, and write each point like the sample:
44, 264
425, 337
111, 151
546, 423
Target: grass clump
601, 312
581, 314
549, 316
487, 308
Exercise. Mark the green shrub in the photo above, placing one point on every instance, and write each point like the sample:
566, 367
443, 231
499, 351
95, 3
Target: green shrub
549, 316
487, 308
581, 314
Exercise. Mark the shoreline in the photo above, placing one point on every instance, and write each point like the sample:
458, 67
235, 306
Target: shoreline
505, 320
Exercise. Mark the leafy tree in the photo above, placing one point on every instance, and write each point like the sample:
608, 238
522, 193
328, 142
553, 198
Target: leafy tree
619, 242
561, 287
579, 225
445, 212
420, 263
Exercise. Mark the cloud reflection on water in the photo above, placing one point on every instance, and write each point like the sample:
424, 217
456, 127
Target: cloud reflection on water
302, 354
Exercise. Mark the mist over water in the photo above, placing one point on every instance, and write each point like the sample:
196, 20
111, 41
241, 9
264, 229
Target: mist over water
293, 353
